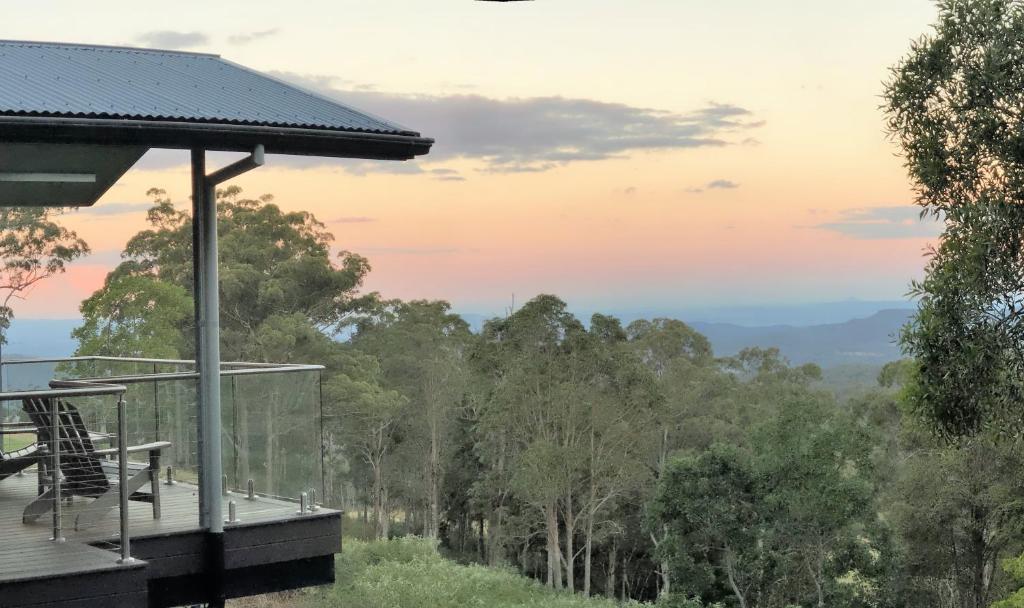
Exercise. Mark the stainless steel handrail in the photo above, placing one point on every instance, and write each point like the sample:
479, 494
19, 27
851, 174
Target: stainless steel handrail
242, 364
118, 385
82, 388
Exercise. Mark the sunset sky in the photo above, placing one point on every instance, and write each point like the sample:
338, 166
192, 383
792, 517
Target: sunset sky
623, 154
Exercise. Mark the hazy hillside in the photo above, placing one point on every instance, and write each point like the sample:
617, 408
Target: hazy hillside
761, 315
870, 340
31, 338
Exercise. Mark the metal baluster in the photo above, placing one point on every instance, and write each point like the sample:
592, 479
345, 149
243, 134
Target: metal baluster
232, 513
55, 487
122, 474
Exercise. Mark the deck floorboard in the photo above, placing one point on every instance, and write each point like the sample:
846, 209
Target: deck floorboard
26, 551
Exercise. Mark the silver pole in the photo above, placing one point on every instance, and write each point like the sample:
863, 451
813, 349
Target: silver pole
208, 348
55, 487
122, 480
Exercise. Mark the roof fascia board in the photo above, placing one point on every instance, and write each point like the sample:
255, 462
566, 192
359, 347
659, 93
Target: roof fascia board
212, 136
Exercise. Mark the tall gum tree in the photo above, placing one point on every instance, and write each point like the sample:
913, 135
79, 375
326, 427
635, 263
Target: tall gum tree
421, 349
955, 105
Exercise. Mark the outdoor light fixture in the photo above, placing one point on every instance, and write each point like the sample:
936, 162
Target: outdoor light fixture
68, 178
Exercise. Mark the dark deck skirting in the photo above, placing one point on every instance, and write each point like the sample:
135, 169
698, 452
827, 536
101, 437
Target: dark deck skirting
270, 549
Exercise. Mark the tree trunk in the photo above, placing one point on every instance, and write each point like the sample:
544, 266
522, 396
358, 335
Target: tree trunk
570, 548
241, 405
483, 553
379, 524
666, 581
268, 453
731, 573
588, 556
554, 547
495, 542
816, 575
609, 583
434, 524
625, 581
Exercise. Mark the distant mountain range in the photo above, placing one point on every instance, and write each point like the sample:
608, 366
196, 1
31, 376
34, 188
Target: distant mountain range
854, 339
871, 340
829, 334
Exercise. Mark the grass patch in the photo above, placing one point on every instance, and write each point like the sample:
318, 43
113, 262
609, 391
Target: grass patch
16, 442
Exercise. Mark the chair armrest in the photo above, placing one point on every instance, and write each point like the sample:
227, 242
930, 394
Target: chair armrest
97, 437
155, 446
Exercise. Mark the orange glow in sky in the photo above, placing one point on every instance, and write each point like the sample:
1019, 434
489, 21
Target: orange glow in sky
622, 155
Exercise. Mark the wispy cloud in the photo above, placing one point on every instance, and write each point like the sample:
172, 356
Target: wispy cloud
247, 37
715, 184
893, 222
171, 39
520, 135
355, 219
108, 209
408, 250
447, 175
534, 134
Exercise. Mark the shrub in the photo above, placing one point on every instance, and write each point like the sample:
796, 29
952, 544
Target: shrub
409, 573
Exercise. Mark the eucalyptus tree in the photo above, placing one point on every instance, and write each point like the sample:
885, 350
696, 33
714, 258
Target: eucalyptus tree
532, 363
954, 105
622, 403
675, 353
34, 246
711, 506
368, 416
274, 264
421, 348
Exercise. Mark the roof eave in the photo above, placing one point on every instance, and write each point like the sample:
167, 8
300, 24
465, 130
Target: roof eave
213, 136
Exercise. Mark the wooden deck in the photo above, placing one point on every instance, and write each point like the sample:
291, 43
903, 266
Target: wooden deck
169, 551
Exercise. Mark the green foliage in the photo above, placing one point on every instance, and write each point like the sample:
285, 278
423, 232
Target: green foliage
678, 600
1014, 566
953, 105
791, 513
408, 573
135, 316
33, 247
710, 506
279, 287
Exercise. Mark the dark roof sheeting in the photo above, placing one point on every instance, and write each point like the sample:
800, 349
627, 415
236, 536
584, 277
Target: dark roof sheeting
82, 81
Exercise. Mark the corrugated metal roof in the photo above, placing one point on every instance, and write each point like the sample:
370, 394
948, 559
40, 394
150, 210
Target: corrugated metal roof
69, 80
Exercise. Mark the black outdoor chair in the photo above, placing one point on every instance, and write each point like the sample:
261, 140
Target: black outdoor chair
86, 471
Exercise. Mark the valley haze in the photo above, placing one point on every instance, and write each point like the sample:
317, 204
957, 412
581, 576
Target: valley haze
829, 334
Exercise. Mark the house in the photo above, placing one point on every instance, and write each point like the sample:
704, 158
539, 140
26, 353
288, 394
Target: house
73, 120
